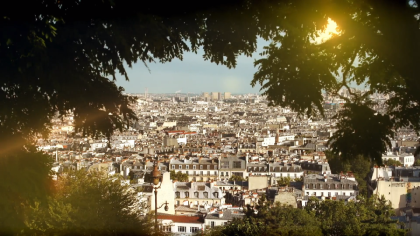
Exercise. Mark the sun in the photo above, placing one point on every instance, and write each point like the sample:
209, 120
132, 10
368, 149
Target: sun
330, 31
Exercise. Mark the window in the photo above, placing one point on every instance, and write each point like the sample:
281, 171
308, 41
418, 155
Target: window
196, 194
182, 229
224, 165
194, 229
236, 164
215, 167
180, 167
212, 224
206, 194
173, 166
166, 228
177, 194
194, 166
187, 167
208, 167
187, 194
201, 167
216, 195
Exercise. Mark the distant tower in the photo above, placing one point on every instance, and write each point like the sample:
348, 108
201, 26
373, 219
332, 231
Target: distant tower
227, 95
215, 96
145, 93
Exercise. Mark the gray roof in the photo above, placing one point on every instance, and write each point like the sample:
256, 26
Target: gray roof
227, 215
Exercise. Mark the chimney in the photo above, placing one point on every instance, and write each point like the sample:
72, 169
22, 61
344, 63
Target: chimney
220, 214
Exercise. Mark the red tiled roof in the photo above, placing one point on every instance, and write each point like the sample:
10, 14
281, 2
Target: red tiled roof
180, 219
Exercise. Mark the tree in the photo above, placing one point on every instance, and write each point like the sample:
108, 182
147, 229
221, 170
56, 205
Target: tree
57, 58
179, 176
236, 178
284, 181
90, 204
277, 220
392, 162
339, 218
371, 48
359, 166
22, 186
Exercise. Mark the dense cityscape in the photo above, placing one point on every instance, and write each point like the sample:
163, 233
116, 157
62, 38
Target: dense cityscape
218, 153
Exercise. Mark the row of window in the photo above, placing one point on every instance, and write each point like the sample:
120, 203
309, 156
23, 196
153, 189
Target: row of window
180, 229
187, 167
225, 164
201, 173
196, 194
329, 186
329, 194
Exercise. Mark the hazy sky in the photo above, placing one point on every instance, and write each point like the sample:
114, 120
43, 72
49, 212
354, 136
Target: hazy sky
194, 75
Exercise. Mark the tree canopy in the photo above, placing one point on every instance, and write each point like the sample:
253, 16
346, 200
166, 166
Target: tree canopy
89, 204
377, 45
62, 56
317, 218
58, 57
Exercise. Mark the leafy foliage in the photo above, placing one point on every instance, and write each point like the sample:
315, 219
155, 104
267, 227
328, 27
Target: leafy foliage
179, 176
24, 181
358, 165
370, 48
339, 218
361, 131
89, 204
392, 162
365, 217
284, 181
236, 178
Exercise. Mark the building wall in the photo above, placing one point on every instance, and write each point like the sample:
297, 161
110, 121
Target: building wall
324, 192
214, 96
175, 226
257, 182
165, 193
217, 222
401, 194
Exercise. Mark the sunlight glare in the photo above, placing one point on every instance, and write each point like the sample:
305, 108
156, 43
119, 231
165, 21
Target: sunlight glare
330, 31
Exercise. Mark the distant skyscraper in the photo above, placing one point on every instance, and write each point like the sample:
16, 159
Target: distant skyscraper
227, 95
206, 95
215, 96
